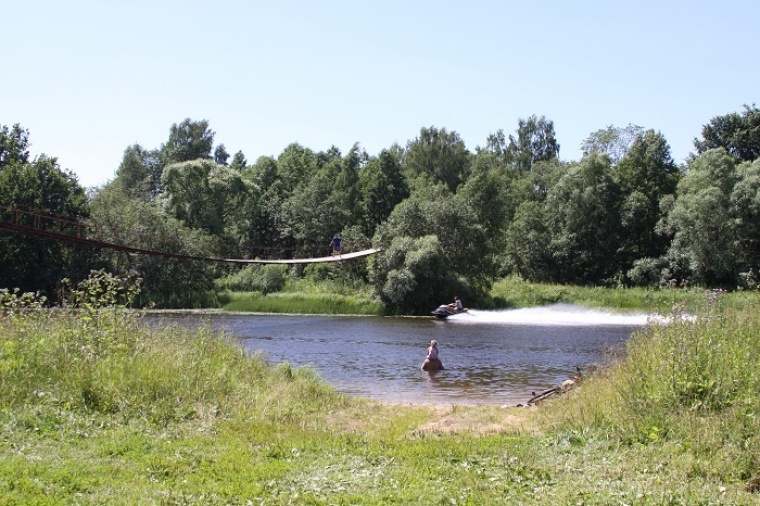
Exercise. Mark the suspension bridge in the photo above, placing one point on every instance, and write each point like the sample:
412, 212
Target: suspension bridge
81, 232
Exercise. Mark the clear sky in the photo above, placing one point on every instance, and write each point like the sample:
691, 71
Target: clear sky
88, 78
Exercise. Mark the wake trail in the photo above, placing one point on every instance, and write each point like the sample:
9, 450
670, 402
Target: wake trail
554, 315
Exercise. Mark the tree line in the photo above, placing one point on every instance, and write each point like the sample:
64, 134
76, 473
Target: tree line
449, 220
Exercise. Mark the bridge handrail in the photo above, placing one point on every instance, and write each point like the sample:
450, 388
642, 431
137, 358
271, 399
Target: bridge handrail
34, 222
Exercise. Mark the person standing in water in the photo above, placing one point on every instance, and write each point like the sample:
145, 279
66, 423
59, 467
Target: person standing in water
432, 362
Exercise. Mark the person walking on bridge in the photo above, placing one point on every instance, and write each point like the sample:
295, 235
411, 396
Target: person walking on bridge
335, 243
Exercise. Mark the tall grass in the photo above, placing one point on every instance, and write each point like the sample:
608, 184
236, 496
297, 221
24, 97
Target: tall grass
516, 292
302, 303
308, 297
113, 364
691, 385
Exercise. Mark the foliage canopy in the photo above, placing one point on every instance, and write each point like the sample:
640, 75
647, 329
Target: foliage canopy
449, 220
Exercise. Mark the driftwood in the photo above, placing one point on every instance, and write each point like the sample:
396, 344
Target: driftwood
551, 392
544, 395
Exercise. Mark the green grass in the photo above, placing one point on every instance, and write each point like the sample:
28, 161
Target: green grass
301, 303
103, 409
333, 297
685, 395
515, 292
307, 297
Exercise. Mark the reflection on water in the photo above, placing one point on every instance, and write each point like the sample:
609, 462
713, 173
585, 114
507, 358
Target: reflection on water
491, 357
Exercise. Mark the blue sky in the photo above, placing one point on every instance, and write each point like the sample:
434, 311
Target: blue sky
89, 78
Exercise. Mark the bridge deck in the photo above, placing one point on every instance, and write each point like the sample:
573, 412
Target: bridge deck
334, 258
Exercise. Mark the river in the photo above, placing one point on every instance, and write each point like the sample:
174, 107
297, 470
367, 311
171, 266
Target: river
490, 357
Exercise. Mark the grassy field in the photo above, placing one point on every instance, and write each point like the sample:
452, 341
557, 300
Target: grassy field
99, 408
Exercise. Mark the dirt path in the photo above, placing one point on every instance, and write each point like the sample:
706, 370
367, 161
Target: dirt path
481, 420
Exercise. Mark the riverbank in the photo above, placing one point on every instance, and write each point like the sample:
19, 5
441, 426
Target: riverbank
99, 409
508, 293
305, 298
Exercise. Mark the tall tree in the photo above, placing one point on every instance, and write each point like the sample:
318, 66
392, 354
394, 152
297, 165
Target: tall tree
701, 222
527, 251
646, 174
745, 203
738, 134
260, 229
238, 161
32, 263
438, 155
324, 158
139, 173
535, 142
495, 152
145, 225
295, 166
535, 185
310, 216
486, 193
221, 155
344, 172
188, 140
583, 217
612, 141
434, 210
14, 145
496, 144
203, 194
382, 187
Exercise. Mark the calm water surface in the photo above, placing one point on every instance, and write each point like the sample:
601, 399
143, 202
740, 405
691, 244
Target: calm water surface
491, 357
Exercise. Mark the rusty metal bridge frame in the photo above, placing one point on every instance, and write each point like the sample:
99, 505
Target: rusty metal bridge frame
80, 232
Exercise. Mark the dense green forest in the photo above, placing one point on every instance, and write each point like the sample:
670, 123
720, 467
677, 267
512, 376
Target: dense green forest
449, 220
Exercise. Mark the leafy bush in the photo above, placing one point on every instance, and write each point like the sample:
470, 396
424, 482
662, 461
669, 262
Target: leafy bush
319, 272
11, 301
647, 272
100, 289
415, 273
257, 278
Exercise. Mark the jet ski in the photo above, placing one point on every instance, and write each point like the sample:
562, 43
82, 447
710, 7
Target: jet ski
445, 310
